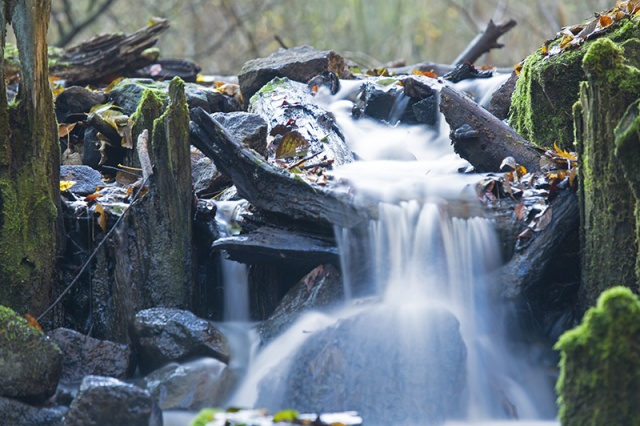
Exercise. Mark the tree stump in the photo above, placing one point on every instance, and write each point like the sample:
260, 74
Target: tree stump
30, 224
609, 218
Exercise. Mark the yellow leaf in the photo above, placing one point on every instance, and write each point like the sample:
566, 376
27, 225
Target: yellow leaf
293, 144
65, 128
102, 217
65, 185
564, 154
113, 84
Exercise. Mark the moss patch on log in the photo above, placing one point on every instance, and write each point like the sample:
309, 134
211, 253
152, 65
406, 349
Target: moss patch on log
549, 86
600, 364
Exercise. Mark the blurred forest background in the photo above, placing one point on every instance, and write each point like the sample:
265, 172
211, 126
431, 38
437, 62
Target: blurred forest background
221, 35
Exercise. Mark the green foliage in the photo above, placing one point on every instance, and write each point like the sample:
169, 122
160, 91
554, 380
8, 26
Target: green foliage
600, 364
205, 416
286, 416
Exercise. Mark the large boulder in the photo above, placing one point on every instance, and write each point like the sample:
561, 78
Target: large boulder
104, 401
84, 356
16, 413
189, 386
162, 335
30, 362
298, 63
248, 129
367, 363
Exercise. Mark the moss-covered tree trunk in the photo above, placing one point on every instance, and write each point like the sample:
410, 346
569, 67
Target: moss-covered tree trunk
29, 165
608, 205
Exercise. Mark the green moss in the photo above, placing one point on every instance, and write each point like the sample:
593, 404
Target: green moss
549, 86
600, 364
270, 87
205, 416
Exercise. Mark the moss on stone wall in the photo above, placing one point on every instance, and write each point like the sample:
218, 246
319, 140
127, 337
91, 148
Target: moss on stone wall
549, 86
600, 364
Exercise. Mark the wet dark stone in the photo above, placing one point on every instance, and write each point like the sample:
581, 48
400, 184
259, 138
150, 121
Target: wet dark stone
378, 101
368, 362
128, 93
426, 111
84, 355
104, 401
189, 386
30, 362
248, 129
163, 335
86, 179
319, 289
465, 71
16, 413
501, 100
299, 63
75, 100
206, 178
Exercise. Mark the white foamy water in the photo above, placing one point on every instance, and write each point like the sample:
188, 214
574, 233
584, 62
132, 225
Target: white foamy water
429, 344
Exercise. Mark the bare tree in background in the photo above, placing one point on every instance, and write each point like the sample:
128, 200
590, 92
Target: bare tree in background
70, 17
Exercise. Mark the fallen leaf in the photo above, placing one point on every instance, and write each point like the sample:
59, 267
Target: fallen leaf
32, 322
293, 144
65, 185
65, 128
102, 217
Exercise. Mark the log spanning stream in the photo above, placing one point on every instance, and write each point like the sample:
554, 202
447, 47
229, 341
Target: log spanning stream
420, 339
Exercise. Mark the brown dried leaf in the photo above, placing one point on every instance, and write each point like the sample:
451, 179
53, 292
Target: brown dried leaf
102, 217
521, 211
65, 128
293, 144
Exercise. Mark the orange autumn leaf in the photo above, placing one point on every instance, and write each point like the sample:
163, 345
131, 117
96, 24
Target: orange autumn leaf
65, 128
429, 74
102, 217
32, 321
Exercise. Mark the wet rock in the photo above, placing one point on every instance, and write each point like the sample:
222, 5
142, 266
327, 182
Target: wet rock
16, 413
319, 289
206, 178
501, 100
163, 335
84, 355
30, 362
378, 100
76, 100
128, 93
368, 361
465, 71
299, 63
190, 386
86, 179
248, 129
104, 401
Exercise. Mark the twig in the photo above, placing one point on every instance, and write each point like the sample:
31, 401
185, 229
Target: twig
93, 254
484, 42
297, 163
280, 41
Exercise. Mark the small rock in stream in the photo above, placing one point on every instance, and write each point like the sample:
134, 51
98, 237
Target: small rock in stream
162, 335
104, 401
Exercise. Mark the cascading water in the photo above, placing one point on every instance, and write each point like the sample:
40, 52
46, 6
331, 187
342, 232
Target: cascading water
421, 341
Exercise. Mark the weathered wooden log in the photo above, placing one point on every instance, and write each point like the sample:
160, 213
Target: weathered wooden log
485, 41
30, 224
481, 138
270, 245
103, 55
269, 188
527, 267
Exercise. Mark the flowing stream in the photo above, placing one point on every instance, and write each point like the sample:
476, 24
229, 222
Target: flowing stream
420, 340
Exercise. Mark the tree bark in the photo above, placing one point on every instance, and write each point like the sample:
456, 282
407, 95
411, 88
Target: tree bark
485, 41
609, 218
30, 224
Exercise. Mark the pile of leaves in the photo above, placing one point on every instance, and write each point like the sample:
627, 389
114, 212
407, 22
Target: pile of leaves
573, 36
532, 192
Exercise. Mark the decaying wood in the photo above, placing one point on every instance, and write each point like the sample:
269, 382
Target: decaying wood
268, 188
106, 54
485, 41
527, 266
481, 138
143, 155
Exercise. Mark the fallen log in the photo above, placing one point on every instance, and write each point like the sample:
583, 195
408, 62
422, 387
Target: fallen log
485, 41
275, 190
99, 57
482, 139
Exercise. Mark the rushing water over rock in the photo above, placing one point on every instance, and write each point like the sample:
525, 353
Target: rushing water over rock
421, 340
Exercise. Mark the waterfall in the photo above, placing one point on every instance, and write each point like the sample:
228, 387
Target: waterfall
421, 339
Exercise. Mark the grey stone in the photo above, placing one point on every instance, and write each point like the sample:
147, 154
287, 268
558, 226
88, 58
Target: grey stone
16, 413
105, 401
162, 335
190, 386
30, 362
84, 355
319, 289
206, 178
248, 129
86, 179
299, 63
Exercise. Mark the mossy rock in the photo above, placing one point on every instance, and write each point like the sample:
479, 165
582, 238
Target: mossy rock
600, 364
541, 106
30, 362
